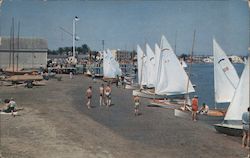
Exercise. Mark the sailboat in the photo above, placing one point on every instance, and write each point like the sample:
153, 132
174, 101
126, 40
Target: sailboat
225, 76
171, 80
111, 67
232, 124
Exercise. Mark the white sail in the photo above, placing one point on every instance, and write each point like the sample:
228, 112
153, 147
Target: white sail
172, 78
142, 67
150, 67
225, 75
139, 63
240, 101
157, 62
111, 67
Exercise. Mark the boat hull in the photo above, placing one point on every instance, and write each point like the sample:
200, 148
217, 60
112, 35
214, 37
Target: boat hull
211, 120
232, 130
151, 95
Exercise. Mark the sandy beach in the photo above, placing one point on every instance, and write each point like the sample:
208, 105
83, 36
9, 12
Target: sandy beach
56, 123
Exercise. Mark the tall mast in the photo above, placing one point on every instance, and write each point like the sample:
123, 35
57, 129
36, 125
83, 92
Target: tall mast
189, 70
13, 45
17, 55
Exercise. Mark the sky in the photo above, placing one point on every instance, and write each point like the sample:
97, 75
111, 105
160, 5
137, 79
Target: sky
123, 24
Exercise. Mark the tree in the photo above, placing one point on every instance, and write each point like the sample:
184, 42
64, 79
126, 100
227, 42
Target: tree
85, 49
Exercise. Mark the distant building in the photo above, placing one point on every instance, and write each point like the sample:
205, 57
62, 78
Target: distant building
236, 59
28, 53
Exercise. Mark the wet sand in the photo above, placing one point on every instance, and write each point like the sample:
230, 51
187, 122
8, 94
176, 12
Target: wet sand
56, 123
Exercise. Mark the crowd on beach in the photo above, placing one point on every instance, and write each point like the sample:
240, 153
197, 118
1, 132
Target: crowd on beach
105, 97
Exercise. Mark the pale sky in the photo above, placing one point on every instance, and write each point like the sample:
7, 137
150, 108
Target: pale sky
125, 23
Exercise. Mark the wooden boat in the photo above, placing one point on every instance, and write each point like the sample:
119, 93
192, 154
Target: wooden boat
213, 117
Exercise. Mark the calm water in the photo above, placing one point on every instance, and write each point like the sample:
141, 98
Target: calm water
202, 76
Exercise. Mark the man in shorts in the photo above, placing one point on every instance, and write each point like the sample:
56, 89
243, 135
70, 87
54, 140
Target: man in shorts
108, 95
245, 122
101, 91
89, 96
137, 104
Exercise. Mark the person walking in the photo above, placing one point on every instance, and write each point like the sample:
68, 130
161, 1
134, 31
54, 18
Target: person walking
89, 96
194, 108
245, 122
108, 95
101, 91
137, 104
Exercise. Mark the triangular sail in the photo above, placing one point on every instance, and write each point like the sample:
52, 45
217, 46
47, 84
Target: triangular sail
172, 78
142, 67
240, 101
139, 63
150, 66
225, 75
157, 62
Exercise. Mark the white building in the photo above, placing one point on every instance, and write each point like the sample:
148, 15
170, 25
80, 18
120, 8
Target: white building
28, 53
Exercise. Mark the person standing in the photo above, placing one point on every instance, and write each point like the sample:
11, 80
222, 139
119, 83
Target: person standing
137, 104
108, 95
101, 90
194, 108
89, 96
70, 75
117, 81
245, 122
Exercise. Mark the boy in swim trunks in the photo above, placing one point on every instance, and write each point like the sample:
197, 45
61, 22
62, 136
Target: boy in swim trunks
101, 90
137, 104
89, 96
108, 95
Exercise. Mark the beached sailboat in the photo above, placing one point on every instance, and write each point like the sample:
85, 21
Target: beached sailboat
111, 67
232, 124
225, 81
171, 80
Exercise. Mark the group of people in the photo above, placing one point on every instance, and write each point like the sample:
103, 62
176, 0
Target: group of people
105, 95
195, 108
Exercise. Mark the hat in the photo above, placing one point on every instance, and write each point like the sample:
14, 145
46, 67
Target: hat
195, 96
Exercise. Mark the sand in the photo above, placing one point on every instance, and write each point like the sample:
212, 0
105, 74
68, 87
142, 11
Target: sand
56, 123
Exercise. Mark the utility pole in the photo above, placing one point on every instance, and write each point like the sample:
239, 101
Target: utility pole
103, 45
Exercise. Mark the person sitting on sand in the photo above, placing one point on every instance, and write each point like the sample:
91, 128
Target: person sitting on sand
108, 95
204, 109
137, 104
101, 90
194, 108
245, 122
10, 106
89, 96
